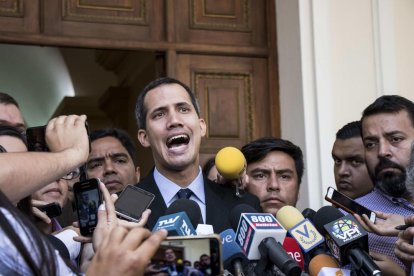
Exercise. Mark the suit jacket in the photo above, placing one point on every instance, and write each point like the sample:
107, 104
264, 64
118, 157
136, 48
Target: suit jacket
219, 202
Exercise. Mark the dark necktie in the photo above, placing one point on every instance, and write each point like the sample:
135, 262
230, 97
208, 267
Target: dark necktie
184, 193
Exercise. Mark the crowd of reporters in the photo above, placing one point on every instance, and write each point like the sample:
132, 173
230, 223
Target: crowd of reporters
33, 243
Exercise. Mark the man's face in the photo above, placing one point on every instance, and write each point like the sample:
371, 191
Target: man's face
11, 115
56, 191
174, 130
111, 163
387, 139
274, 181
205, 260
350, 170
169, 255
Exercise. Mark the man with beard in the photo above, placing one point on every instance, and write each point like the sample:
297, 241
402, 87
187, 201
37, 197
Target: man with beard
168, 118
388, 133
404, 246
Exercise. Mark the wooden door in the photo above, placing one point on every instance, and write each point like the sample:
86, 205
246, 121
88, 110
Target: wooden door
224, 50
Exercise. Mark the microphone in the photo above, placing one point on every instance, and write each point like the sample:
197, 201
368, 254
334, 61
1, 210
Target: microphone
325, 265
231, 164
259, 236
190, 207
309, 214
233, 258
301, 229
253, 227
293, 249
176, 221
347, 240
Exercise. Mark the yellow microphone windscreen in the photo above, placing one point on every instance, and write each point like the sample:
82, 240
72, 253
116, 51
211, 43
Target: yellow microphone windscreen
289, 216
230, 162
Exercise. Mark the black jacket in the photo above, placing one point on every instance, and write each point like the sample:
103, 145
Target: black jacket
219, 202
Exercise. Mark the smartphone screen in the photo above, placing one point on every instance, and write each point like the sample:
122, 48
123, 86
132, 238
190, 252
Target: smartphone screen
87, 198
132, 202
190, 255
342, 201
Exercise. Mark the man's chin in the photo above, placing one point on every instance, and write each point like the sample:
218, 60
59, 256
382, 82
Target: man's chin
272, 209
393, 185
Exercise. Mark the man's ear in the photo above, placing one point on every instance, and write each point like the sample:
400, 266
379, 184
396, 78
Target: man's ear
138, 173
143, 138
203, 127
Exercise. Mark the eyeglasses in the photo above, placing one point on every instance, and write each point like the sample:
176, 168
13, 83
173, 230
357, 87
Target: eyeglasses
72, 175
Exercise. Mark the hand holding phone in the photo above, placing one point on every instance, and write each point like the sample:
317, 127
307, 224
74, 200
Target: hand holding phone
88, 198
132, 202
342, 201
36, 138
52, 209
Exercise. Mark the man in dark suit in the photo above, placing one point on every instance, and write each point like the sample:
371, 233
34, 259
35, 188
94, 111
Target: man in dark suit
169, 122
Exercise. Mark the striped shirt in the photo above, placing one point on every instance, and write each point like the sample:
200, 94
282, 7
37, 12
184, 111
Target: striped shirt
378, 201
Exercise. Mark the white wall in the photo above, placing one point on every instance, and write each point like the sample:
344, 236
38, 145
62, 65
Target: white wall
335, 57
37, 77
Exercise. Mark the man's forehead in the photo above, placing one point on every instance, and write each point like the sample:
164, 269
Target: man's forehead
11, 113
349, 146
178, 96
387, 123
106, 146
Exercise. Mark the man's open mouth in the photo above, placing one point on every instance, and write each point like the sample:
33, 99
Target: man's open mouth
178, 140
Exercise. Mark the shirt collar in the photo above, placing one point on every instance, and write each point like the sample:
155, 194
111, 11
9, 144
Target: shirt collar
169, 189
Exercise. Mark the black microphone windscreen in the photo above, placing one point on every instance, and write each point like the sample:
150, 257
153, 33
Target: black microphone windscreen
190, 207
309, 213
236, 212
325, 215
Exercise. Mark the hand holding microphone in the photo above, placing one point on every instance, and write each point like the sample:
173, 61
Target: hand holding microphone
231, 165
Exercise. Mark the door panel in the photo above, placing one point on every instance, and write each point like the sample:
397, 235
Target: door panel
109, 19
19, 16
233, 98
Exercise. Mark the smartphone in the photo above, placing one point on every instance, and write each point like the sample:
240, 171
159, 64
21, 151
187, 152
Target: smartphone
132, 202
36, 138
342, 201
52, 209
87, 198
184, 252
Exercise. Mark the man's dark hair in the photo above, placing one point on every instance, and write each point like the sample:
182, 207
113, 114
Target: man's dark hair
119, 134
7, 99
390, 104
350, 130
258, 149
6, 130
140, 110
